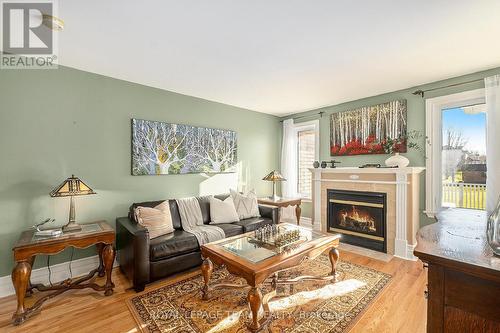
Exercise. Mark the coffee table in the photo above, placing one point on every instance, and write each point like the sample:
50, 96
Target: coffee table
259, 263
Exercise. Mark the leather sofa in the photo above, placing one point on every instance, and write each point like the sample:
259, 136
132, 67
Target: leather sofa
145, 260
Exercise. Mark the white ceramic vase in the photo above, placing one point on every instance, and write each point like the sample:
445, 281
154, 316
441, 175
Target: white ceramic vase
397, 160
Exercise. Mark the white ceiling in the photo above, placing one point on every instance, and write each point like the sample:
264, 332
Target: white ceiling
280, 56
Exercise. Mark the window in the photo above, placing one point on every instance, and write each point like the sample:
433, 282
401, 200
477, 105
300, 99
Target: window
306, 157
455, 127
307, 153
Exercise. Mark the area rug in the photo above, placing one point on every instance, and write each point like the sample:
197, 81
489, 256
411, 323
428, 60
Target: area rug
305, 307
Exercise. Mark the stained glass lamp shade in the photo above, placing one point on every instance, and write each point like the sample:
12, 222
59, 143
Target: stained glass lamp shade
71, 187
274, 176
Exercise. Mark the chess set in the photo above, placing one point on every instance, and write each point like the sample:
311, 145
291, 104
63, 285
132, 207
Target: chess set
275, 236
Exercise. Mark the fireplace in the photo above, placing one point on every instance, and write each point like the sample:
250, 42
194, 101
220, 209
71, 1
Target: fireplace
359, 216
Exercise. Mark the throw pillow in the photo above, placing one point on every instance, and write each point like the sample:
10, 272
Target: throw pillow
246, 204
223, 211
157, 220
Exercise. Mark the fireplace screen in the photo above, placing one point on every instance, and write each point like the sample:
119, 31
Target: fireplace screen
359, 216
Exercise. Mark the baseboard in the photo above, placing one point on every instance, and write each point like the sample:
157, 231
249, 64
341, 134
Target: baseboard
306, 220
59, 272
409, 252
404, 250
293, 219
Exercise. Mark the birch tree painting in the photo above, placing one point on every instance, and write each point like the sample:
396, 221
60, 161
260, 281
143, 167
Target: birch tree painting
160, 148
369, 129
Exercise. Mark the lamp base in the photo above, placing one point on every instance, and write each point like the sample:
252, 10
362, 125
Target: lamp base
274, 197
72, 227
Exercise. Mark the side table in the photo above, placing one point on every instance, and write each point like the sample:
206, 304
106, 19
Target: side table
29, 246
284, 202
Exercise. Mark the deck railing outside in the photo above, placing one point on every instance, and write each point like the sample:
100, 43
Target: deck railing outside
464, 195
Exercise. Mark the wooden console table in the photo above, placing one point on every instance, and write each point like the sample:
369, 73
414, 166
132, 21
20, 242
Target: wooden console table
284, 202
463, 274
28, 247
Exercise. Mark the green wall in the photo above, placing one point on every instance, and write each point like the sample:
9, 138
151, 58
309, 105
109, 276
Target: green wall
57, 122
416, 121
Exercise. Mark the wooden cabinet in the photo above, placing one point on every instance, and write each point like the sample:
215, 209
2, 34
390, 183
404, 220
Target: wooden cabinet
463, 274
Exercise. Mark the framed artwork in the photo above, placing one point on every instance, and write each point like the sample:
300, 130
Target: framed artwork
369, 129
160, 148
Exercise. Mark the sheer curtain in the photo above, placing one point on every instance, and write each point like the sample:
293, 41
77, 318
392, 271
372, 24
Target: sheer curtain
289, 159
492, 90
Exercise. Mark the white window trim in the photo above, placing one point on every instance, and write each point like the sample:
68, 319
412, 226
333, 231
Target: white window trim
312, 125
433, 129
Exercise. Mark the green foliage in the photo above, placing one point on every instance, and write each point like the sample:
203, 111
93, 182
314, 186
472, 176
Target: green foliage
412, 139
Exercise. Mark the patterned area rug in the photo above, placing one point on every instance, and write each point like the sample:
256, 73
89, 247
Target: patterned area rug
304, 307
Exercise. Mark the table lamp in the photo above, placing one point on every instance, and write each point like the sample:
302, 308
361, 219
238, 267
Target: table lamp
71, 187
274, 176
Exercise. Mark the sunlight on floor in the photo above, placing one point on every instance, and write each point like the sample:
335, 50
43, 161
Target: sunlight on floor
227, 322
300, 298
328, 291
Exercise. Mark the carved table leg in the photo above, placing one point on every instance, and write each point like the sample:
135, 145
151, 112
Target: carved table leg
334, 258
29, 290
206, 269
20, 278
298, 211
100, 270
108, 257
255, 302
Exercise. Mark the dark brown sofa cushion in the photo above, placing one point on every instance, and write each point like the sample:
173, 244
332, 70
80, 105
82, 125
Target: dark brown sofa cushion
230, 229
171, 245
253, 223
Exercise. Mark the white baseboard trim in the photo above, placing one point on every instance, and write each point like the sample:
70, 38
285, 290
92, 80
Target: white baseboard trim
409, 252
404, 250
293, 219
59, 272
306, 220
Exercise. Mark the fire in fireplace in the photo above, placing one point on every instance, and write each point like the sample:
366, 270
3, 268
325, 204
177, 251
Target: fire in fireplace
359, 216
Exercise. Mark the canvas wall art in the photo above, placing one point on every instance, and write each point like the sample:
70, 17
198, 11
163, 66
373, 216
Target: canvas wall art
369, 129
160, 148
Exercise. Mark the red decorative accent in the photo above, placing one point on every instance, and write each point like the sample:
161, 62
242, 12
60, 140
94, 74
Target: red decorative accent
356, 147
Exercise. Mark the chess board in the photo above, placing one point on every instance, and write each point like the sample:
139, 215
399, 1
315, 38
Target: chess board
270, 239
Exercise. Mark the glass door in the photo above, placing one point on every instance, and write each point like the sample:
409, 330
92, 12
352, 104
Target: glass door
463, 157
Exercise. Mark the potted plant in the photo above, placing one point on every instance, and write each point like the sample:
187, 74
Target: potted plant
394, 146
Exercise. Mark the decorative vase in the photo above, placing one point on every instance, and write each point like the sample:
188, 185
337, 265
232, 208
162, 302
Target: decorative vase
493, 229
397, 160
323, 164
316, 164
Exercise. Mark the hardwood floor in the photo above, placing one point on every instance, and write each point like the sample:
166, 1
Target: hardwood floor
400, 307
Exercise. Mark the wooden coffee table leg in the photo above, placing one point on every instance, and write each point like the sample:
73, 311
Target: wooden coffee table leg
108, 257
334, 258
20, 278
206, 269
255, 301
298, 211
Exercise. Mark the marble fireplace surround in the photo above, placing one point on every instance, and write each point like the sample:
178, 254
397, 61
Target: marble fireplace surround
401, 186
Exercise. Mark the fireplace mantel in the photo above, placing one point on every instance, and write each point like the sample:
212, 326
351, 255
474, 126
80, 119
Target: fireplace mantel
401, 186
368, 170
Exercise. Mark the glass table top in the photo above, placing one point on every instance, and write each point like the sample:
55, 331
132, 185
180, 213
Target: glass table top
86, 228
254, 250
